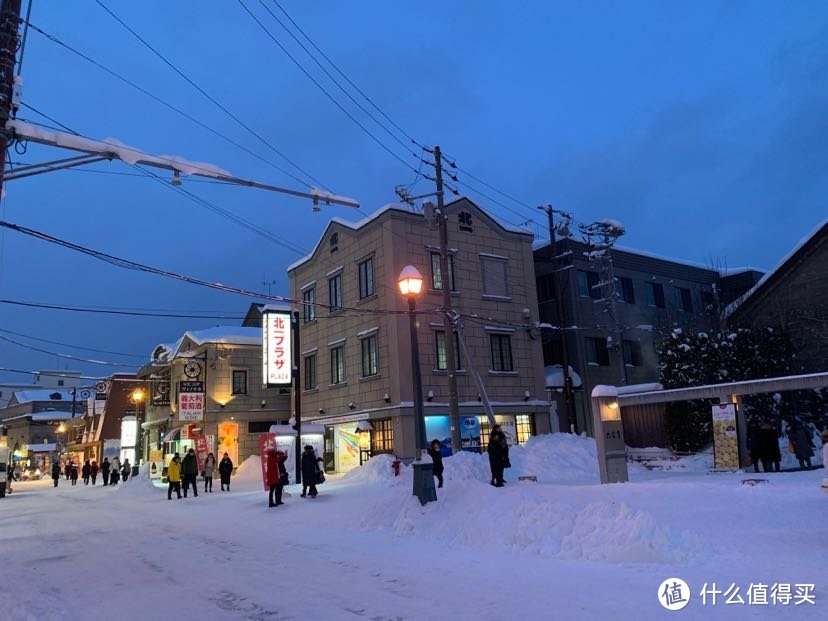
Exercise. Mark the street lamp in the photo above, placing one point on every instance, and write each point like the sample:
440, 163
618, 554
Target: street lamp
411, 283
137, 397
62, 428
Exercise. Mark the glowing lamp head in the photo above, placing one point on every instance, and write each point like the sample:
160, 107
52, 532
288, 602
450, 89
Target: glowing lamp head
411, 281
137, 395
61, 428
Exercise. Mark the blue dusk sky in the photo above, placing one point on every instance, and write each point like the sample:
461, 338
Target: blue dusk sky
701, 126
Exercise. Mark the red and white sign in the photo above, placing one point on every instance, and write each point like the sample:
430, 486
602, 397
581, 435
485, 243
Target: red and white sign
277, 346
267, 443
201, 450
191, 406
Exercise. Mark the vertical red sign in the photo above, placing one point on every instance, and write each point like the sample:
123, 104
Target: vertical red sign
267, 442
200, 450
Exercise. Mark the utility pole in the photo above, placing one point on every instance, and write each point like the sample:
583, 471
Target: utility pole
448, 311
557, 274
9, 23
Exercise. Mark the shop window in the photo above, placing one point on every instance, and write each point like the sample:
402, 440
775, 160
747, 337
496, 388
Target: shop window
370, 366
436, 274
382, 437
501, 352
239, 382
309, 301
525, 427
262, 426
366, 278
596, 351
310, 372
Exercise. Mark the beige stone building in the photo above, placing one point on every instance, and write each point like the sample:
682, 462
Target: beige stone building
355, 341
226, 362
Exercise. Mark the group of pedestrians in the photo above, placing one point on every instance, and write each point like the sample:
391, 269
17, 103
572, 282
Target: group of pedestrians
277, 475
186, 471
111, 471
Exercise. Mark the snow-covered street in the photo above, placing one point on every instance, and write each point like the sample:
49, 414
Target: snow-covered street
564, 547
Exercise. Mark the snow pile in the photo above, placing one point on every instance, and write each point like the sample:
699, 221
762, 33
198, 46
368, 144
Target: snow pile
249, 473
141, 485
698, 463
378, 471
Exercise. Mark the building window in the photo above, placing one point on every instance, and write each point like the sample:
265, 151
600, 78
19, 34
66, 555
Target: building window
655, 294
310, 372
239, 382
436, 274
546, 288
382, 437
624, 290
495, 275
60, 382
597, 352
442, 356
553, 351
683, 299
708, 301
632, 353
335, 292
338, 365
525, 427
588, 285
261, 426
366, 278
369, 356
501, 352
309, 301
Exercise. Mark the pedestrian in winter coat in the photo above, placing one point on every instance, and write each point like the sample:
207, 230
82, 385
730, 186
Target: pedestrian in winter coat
498, 451
276, 477
73, 474
126, 470
115, 476
174, 477
310, 471
86, 471
768, 448
67, 470
435, 450
825, 456
803, 444
105, 467
189, 471
93, 471
753, 448
56, 472
225, 470
207, 473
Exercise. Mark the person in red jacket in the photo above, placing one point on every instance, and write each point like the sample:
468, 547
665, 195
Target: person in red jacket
276, 477
93, 471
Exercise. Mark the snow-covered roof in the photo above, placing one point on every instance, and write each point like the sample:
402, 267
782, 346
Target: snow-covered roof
821, 228
27, 396
226, 335
354, 226
43, 416
46, 447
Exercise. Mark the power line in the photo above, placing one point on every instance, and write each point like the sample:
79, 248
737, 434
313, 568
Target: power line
139, 267
67, 356
71, 376
210, 97
322, 88
165, 103
114, 311
97, 351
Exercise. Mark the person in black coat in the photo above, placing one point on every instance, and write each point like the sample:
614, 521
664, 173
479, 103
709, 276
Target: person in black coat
310, 471
437, 457
768, 448
105, 468
86, 471
56, 472
225, 470
189, 471
498, 451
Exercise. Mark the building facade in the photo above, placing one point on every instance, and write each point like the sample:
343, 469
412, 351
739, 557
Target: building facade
43, 380
612, 330
356, 361
224, 364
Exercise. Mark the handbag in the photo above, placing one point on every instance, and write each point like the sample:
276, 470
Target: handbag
283, 479
320, 477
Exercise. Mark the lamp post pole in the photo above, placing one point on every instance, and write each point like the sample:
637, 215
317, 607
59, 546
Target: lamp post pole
411, 283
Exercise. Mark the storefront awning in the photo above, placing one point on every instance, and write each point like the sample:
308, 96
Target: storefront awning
173, 435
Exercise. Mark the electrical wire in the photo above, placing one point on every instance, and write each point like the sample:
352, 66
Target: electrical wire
97, 351
114, 311
212, 99
168, 105
59, 355
139, 267
71, 376
322, 88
